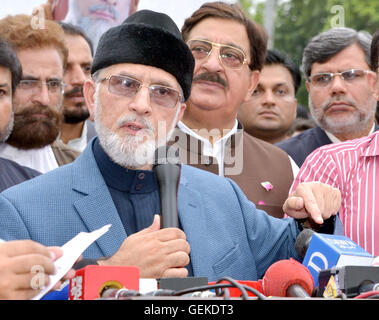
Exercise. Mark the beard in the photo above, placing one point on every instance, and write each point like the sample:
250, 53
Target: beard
94, 28
6, 132
77, 113
30, 132
131, 151
342, 125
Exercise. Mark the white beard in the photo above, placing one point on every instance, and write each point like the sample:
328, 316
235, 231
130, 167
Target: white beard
131, 151
93, 28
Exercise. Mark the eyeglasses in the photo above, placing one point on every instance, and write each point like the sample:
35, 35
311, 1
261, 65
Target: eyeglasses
230, 57
349, 76
54, 87
160, 96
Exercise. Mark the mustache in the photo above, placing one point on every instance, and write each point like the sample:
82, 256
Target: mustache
104, 7
133, 118
74, 91
211, 76
327, 104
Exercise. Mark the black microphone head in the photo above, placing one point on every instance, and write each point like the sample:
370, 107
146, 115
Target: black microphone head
166, 154
302, 241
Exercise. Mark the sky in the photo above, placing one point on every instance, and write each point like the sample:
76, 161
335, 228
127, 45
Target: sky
178, 10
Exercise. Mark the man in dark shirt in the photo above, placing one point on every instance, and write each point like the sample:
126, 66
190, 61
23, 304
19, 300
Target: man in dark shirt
11, 173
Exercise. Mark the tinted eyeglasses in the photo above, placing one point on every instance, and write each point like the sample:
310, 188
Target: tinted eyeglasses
230, 56
349, 76
160, 96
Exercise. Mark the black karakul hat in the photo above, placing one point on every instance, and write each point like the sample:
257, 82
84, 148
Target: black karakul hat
149, 38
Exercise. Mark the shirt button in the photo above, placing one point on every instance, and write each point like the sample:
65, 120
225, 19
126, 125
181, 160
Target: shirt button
141, 176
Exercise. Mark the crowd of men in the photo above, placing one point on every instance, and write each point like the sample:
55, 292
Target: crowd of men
79, 126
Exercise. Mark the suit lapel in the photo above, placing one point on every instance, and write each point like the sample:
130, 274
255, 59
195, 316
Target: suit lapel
96, 207
96, 210
192, 219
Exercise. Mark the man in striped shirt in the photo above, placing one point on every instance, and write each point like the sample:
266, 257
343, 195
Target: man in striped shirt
353, 168
336, 65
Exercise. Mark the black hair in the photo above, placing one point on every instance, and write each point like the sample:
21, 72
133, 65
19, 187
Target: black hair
275, 57
73, 30
9, 60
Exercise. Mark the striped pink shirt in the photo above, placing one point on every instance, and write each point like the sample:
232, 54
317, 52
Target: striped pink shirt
352, 167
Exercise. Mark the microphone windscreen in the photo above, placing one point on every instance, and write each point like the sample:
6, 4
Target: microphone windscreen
302, 242
285, 273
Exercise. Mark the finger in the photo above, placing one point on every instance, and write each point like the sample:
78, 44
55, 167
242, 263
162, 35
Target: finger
26, 263
294, 207
23, 247
155, 226
56, 252
177, 245
177, 259
175, 273
168, 234
311, 205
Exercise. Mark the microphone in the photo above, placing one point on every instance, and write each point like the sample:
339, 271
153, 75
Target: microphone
323, 251
93, 281
167, 171
288, 278
349, 280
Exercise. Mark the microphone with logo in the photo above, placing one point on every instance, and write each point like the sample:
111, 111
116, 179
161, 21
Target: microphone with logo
167, 171
324, 251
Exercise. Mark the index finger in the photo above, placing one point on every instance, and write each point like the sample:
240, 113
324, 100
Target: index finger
23, 247
310, 204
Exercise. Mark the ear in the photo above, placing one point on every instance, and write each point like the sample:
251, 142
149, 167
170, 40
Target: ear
89, 89
253, 82
372, 79
182, 107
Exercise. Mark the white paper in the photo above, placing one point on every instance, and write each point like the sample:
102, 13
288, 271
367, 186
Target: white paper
71, 252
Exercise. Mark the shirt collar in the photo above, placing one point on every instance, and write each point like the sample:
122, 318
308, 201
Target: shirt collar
120, 178
373, 148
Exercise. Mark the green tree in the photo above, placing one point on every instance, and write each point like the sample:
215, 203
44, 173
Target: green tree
297, 21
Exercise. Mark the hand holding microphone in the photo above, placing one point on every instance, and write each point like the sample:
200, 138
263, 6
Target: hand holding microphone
157, 252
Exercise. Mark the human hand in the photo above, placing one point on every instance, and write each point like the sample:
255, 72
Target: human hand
157, 252
314, 200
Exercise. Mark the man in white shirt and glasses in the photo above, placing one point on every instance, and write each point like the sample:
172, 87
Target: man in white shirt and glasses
38, 97
229, 51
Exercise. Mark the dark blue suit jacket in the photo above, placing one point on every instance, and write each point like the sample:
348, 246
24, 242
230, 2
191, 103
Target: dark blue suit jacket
300, 146
11, 173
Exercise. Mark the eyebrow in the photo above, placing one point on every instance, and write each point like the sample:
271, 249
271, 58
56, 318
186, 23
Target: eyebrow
27, 77
4, 85
226, 44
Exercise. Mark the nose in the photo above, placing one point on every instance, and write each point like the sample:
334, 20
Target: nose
212, 61
75, 77
141, 104
268, 99
42, 96
337, 86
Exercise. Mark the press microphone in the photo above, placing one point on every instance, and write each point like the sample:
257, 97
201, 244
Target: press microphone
323, 251
349, 280
167, 171
94, 281
288, 278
